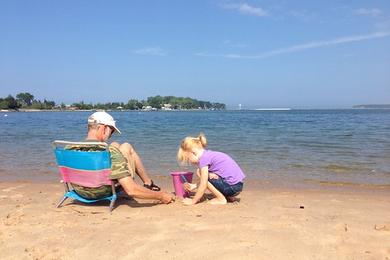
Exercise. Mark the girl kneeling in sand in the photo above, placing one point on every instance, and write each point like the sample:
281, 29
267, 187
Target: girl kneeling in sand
217, 171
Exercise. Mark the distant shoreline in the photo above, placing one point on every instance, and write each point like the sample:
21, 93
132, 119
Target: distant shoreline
372, 106
191, 110
108, 110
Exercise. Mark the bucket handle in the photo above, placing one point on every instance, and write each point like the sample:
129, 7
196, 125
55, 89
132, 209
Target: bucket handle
183, 178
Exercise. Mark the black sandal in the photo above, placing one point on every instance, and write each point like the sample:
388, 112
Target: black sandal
152, 186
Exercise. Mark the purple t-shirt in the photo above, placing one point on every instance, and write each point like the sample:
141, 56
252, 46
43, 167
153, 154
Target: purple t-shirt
222, 165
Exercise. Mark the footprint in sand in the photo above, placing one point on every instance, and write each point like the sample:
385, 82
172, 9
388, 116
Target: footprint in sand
13, 188
14, 218
382, 227
36, 253
16, 196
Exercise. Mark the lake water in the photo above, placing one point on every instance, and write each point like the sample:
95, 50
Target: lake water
321, 145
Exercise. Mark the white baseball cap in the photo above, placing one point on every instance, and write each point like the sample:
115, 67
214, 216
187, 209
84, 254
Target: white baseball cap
103, 118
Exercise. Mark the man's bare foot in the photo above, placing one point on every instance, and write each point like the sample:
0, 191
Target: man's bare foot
216, 201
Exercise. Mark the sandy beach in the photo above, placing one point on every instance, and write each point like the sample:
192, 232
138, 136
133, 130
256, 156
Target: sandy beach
331, 221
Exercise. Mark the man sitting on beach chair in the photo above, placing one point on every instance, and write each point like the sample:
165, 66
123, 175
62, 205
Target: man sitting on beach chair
124, 163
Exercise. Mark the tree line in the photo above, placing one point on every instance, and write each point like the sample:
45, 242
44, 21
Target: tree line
25, 100
28, 101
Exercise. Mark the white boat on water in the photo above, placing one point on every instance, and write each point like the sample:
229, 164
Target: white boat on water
274, 109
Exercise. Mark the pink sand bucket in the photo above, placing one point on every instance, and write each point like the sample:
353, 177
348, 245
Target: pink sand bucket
178, 179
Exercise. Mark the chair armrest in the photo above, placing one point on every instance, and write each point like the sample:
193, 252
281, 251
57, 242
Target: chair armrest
61, 142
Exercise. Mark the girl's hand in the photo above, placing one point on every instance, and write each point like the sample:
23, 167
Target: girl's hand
213, 176
187, 202
187, 186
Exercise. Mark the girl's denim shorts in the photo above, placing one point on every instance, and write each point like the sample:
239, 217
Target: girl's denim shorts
225, 188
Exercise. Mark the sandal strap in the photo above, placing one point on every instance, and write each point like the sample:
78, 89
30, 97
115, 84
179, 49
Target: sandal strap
152, 186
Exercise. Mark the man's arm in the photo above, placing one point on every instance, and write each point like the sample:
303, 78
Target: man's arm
121, 172
137, 191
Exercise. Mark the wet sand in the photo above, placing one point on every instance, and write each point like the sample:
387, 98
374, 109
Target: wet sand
322, 221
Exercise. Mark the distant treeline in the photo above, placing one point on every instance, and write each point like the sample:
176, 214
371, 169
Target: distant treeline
27, 101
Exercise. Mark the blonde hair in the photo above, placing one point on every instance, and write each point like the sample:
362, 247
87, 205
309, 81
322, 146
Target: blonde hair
187, 144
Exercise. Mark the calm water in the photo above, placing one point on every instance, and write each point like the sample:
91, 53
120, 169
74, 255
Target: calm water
330, 145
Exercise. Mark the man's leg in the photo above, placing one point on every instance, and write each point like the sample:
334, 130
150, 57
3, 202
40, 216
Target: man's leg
137, 191
131, 155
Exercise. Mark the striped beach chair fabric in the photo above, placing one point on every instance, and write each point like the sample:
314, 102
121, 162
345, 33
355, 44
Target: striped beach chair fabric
84, 168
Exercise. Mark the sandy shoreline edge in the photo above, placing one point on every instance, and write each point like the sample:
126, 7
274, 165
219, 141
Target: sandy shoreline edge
270, 222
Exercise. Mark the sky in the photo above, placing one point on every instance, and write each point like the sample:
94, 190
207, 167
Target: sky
260, 54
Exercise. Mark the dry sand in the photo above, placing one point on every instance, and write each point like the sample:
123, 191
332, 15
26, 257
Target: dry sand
336, 222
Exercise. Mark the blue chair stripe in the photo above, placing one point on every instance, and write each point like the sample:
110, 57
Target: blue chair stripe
83, 160
72, 194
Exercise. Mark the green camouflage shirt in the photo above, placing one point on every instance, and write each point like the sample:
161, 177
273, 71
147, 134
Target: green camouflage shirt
119, 169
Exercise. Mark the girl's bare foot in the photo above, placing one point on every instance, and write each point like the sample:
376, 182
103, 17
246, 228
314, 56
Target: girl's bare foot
217, 201
232, 199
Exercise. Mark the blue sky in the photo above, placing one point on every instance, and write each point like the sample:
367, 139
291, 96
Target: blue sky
300, 54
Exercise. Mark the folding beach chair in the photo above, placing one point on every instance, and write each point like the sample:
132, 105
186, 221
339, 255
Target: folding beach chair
84, 168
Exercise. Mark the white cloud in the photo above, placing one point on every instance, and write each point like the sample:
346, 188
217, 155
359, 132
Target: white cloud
155, 51
246, 9
231, 44
203, 54
368, 12
302, 15
302, 47
383, 25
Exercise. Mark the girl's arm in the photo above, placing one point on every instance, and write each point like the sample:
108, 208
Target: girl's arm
204, 178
